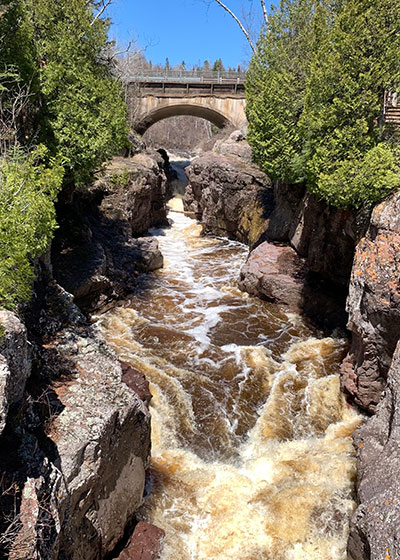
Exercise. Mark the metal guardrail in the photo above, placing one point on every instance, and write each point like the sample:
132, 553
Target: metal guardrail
186, 76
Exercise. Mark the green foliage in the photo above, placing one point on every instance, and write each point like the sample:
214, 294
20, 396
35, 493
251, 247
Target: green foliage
84, 113
275, 88
217, 66
356, 180
120, 178
315, 98
55, 70
28, 188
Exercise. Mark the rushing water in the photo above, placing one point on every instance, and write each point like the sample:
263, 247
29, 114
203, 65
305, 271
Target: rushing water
252, 450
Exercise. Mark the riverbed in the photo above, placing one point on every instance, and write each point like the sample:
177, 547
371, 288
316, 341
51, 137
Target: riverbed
252, 455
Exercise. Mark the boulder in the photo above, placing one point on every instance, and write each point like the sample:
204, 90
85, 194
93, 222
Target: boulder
15, 364
375, 525
275, 273
136, 380
135, 191
235, 146
146, 543
278, 274
84, 456
374, 306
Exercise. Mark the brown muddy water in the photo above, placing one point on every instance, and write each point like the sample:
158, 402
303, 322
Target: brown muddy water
252, 449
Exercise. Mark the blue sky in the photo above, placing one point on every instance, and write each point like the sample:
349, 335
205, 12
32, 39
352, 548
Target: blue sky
189, 30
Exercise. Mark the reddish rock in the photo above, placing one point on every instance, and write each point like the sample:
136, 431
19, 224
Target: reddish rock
374, 306
136, 381
146, 543
275, 273
375, 525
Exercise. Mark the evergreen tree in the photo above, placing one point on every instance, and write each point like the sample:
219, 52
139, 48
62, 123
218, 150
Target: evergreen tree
218, 66
346, 158
315, 93
71, 118
276, 88
84, 114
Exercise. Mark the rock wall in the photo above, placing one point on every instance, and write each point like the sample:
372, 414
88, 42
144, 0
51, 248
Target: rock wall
371, 376
375, 526
81, 435
15, 363
227, 196
233, 198
97, 253
374, 306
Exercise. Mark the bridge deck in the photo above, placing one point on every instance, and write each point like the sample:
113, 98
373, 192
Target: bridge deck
191, 88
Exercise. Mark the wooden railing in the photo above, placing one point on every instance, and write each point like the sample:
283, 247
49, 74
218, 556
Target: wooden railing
392, 107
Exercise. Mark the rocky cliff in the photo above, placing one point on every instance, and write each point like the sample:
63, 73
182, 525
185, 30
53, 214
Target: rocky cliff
97, 252
302, 250
81, 436
226, 195
74, 421
370, 375
375, 525
374, 306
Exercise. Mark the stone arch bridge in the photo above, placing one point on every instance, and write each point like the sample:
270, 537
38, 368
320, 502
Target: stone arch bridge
218, 97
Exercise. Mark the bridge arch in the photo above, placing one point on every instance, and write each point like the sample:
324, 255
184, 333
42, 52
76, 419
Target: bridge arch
161, 112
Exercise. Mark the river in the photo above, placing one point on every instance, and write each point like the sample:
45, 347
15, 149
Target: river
252, 456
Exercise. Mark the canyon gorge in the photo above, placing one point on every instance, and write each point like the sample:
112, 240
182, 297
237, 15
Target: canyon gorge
229, 296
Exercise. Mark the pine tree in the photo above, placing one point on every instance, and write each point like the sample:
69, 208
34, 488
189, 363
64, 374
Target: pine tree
276, 88
218, 66
315, 92
354, 60
84, 113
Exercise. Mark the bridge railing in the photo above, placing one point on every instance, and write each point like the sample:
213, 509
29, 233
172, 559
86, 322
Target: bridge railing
186, 76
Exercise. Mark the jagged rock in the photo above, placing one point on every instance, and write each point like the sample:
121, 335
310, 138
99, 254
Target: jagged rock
235, 145
135, 191
278, 274
15, 365
275, 273
324, 235
95, 254
84, 461
230, 197
136, 381
374, 306
146, 543
375, 526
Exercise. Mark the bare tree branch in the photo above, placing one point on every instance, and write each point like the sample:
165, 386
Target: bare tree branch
264, 9
102, 8
244, 30
124, 51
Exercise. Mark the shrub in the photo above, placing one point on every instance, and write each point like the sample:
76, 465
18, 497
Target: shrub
28, 188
